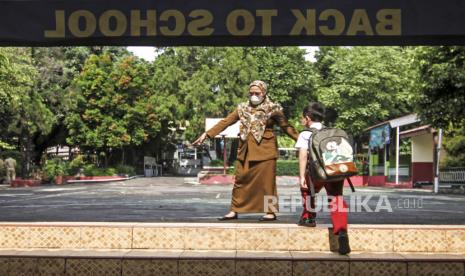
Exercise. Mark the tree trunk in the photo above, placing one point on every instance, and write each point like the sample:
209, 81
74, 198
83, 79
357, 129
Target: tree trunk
106, 159
134, 155
26, 149
122, 156
30, 150
23, 149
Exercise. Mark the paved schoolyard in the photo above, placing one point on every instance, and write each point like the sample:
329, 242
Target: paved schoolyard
172, 199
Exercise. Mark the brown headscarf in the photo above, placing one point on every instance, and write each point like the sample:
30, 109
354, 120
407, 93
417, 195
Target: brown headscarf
260, 84
253, 118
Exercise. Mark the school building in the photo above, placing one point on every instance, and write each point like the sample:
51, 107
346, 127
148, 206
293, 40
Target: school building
403, 152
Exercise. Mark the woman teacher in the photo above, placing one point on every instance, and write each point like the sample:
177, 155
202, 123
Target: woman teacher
255, 179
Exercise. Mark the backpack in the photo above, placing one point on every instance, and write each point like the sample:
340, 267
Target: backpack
330, 155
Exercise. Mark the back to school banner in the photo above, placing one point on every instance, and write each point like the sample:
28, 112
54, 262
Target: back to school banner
231, 22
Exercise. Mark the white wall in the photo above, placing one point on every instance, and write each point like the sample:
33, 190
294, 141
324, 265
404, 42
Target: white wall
422, 148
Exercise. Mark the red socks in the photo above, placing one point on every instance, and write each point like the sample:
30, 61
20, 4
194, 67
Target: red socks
305, 213
339, 211
337, 206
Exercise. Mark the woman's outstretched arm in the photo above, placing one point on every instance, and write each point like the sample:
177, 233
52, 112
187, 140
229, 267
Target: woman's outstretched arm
285, 126
218, 128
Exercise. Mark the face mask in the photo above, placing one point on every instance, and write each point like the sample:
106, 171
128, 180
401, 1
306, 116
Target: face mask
256, 100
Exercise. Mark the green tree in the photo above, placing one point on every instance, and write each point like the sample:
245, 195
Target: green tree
111, 109
291, 79
52, 84
192, 83
454, 145
24, 111
366, 85
442, 74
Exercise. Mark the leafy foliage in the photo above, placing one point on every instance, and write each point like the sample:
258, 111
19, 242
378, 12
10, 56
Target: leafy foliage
197, 82
442, 75
366, 85
442, 72
55, 167
287, 167
104, 100
454, 144
110, 104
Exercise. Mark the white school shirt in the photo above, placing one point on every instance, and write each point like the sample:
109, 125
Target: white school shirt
304, 136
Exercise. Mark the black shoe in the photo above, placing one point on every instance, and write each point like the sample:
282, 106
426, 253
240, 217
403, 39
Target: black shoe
268, 219
228, 218
343, 239
308, 222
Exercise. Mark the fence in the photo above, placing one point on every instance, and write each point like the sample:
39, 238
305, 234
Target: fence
404, 173
452, 176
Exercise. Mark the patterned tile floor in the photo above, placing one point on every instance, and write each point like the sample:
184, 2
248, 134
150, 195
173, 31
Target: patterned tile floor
232, 236
228, 263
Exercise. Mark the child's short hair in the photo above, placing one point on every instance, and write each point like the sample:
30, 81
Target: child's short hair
315, 110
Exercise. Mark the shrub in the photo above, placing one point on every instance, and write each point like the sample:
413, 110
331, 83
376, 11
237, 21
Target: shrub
54, 167
362, 167
91, 170
283, 167
109, 171
233, 169
216, 163
454, 144
76, 164
126, 170
287, 167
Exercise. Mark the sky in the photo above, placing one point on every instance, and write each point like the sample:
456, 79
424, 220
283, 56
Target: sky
148, 53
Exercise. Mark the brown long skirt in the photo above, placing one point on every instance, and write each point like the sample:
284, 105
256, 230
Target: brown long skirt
255, 184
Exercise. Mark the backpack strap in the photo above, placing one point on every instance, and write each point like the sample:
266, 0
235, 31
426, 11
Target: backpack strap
351, 185
310, 185
312, 129
308, 168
